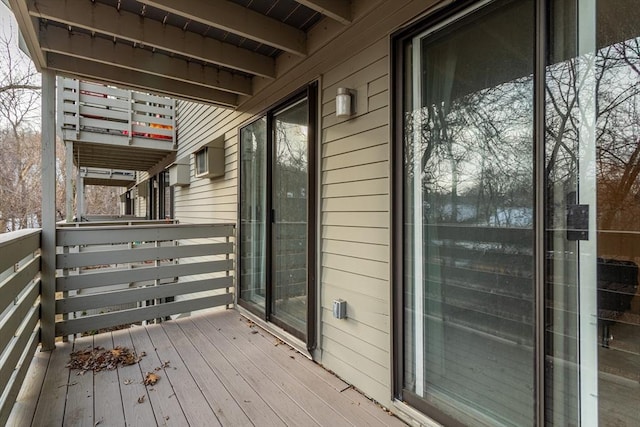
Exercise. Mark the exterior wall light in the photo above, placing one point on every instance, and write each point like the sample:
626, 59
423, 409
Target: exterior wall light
344, 102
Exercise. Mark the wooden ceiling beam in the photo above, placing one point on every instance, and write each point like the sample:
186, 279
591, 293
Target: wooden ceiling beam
338, 10
75, 67
28, 28
60, 40
238, 20
108, 20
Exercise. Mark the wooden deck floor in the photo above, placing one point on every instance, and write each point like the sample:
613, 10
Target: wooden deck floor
215, 369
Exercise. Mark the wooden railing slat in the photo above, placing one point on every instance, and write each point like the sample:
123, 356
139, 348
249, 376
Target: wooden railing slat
88, 302
111, 277
15, 316
122, 255
16, 245
17, 345
133, 315
121, 234
12, 388
15, 283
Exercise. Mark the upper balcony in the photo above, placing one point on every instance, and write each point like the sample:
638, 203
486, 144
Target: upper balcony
114, 128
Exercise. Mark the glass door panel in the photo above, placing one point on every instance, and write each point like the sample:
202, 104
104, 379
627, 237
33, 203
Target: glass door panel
469, 217
593, 205
253, 214
289, 204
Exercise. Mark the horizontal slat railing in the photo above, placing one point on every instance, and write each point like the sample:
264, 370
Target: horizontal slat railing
91, 107
19, 311
119, 274
104, 220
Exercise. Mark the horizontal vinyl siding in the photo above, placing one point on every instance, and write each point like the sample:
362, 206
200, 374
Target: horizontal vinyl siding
355, 223
207, 200
353, 185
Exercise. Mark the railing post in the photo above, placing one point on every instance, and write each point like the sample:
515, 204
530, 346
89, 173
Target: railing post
48, 240
69, 181
174, 120
77, 106
79, 196
227, 272
130, 114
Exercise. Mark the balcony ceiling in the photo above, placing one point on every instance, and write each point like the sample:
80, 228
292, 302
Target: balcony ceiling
201, 50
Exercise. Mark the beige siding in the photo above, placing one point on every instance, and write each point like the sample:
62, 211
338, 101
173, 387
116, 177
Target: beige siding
207, 200
355, 219
354, 201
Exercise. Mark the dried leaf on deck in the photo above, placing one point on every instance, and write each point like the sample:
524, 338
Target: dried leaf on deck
151, 378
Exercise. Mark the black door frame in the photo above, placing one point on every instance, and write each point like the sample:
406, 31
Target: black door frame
309, 92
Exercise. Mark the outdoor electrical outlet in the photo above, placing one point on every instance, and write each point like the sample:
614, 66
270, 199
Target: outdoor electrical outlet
339, 309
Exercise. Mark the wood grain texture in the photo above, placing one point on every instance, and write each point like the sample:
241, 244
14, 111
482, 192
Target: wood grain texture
215, 368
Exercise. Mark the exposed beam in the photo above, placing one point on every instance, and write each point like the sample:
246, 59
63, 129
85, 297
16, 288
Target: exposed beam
106, 182
115, 140
108, 174
108, 20
122, 77
239, 20
338, 10
29, 30
84, 46
108, 159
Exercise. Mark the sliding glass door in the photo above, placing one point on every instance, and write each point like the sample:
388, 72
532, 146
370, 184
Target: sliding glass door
277, 216
518, 214
468, 217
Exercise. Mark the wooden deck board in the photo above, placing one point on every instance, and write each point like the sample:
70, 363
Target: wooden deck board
219, 372
386, 418
131, 388
25, 407
252, 404
304, 397
194, 405
166, 408
272, 393
226, 409
349, 402
79, 407
50, 407
330, 406
106, 391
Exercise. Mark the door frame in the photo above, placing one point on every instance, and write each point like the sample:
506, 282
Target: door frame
309, 92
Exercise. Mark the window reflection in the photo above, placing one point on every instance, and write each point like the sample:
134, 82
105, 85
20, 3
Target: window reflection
615, 143
468, 206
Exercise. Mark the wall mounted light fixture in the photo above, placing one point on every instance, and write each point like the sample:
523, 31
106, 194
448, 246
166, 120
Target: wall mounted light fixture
344, 102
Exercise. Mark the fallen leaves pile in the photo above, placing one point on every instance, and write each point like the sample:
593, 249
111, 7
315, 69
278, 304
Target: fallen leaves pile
99, 359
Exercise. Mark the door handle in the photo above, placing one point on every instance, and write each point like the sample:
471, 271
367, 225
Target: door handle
577, 222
